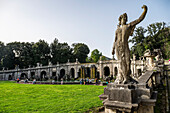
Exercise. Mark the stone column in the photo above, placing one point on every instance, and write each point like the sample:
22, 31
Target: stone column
67, 70
29, 73
58, 71
158, 79
132, 67
38, 73
101, 69
3, 76
15, 75
76, 71
142, 67
93, 72
81, 73
50, 72
111, 69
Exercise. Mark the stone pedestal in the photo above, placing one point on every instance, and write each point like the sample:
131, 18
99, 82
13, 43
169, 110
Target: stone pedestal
128, 98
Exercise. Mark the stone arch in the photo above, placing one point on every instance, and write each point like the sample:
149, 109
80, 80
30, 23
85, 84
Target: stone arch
88, 72
72, 73
98, 75
23, 76
139, 72
62, 73
106, 71
10, 77
79, 72
32, 75
54, 75
43, 76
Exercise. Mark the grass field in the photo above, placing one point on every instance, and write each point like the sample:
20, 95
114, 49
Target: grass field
29, 98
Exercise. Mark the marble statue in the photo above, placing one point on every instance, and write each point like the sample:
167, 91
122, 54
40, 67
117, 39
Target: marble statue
121, 47
158, 56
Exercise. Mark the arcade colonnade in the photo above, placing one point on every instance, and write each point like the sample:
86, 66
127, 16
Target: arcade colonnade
101, 69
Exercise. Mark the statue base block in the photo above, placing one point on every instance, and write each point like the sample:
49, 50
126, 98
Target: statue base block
128, 98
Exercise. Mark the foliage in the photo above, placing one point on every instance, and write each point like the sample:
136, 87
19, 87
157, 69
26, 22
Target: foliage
95, 55
138, 40
156, 36
55, 51
80, 51
29, 98
8, 59
1, 54
103, 58
41, 52
89, 60
61, 52
23, 54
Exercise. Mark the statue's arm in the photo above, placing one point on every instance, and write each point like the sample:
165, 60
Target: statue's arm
133, 23
113, 50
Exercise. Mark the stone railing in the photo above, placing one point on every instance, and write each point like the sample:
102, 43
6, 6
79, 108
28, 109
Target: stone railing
139, 97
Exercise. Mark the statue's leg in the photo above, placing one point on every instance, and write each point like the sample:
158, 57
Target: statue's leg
124, 70
127, 61
120, 76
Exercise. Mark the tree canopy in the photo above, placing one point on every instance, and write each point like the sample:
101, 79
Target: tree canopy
80, 51
155, 36
95, 55
23, 54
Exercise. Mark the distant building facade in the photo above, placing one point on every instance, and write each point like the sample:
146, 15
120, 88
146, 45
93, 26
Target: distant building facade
101, 69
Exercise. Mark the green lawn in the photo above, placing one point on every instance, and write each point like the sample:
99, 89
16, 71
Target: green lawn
29, 98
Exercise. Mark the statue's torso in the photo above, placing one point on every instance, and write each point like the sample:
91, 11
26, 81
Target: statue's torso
122, 34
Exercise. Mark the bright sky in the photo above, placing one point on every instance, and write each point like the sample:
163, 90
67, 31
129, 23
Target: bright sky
92, 22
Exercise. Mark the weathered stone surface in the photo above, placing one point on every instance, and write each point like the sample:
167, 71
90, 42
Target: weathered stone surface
121, 45
121, 95
128, 98
144, 78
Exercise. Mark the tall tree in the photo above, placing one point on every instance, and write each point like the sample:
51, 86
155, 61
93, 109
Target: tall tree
23, 53
27, 53
60, 52
54, 51
156, 36
138, 39
9, 60
95, 55
1, 54
80, 51
41, 52
65, 52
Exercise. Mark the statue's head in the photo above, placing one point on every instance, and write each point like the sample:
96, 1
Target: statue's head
123, 19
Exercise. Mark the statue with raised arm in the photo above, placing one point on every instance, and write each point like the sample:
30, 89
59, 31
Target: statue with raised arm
121, 45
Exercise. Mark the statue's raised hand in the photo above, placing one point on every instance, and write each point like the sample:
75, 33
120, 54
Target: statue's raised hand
137, 21
144, 7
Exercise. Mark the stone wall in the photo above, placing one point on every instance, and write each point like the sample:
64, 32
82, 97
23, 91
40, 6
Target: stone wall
100, 66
